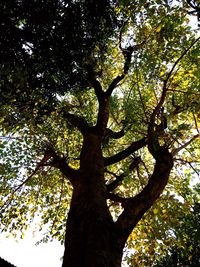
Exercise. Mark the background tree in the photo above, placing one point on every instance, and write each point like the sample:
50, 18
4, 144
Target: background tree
98, 102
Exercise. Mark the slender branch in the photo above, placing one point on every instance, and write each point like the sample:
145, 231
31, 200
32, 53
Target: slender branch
177, 150
126, 152
189, 163
119, 178
180, 58
127, 52
164, 92
152, 138
41, 163
191, 5
195, 122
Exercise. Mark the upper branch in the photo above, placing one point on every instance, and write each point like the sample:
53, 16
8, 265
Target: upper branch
103, 112
126, 152
114, 84
175, 151
95, 83
127, 53
179, 59
152, 138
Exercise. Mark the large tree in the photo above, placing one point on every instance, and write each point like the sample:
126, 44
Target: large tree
99, 100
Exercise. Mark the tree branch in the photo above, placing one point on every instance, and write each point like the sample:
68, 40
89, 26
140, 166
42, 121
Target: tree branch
153, 143
95, 83
110, 134
114, 184
61, 164
116, 198
114, 84
119, 178
177, 150
126, 152
135, 207
103, 112
179, 59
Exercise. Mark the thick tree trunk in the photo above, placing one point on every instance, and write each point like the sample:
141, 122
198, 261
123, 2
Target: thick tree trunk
93, 239
90, 235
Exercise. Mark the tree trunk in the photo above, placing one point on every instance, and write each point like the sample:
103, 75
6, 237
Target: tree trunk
93, 239
90, 235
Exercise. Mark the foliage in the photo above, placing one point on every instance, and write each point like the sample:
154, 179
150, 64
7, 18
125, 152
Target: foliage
168, 235
55, 55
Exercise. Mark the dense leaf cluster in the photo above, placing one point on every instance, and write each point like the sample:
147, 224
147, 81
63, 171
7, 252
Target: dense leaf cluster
46, 45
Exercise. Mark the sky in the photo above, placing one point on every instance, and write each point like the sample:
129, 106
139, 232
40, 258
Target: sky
24, 252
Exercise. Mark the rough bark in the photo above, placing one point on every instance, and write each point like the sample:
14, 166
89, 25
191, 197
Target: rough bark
90, 236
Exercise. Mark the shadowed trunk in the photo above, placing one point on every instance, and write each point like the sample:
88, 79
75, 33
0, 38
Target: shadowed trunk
90, 236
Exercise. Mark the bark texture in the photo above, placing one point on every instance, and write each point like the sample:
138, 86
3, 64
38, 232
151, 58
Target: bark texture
90, 237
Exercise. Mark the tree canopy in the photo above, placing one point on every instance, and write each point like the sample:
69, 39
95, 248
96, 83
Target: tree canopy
125, 71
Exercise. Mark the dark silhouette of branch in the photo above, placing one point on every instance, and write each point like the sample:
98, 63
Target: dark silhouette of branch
116, 198
95, 83
114, 184
119, 178
135, 207
126, 152
114, 84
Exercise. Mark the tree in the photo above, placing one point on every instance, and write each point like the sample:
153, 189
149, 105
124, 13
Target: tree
99, 102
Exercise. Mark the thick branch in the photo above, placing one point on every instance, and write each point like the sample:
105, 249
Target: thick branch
136, 207
110, 134
126, 152
103, 113
116, 198
95, 83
